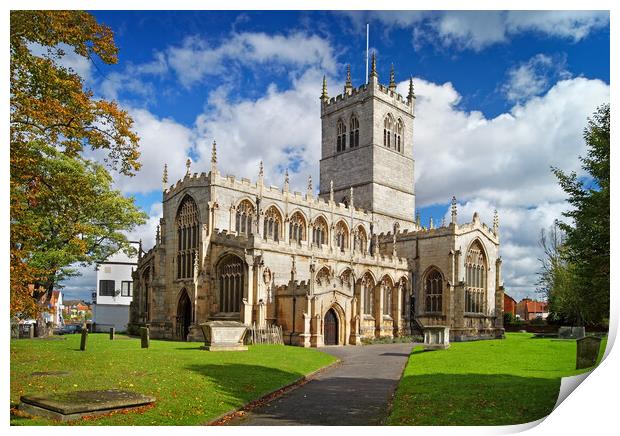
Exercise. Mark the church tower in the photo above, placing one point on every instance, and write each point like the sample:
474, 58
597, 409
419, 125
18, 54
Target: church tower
367, 145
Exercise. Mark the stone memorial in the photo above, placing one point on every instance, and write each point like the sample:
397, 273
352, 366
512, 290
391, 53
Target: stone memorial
587, 351
83, 340
436, 337
223, 336
67, 406
145, 337
571, 332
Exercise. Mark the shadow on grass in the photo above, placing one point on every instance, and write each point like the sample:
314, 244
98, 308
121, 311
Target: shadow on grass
244, 382
472, 399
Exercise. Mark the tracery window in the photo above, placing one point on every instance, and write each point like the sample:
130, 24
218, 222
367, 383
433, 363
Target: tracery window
360, 240
319, 232
388, 126
187, 237
341, 138
232, 279
272, 225
368, 290
297, 227
342, 236
387, 298
475, 279
433, 291
398, 133
354, 132
244, 218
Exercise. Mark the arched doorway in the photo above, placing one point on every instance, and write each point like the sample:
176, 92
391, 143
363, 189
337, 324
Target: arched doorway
330, 335
184, 316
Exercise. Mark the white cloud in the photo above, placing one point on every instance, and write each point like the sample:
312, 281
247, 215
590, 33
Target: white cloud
505, 159
477, 30
197, 58
282, 128
146, 232
533, 77
162, 141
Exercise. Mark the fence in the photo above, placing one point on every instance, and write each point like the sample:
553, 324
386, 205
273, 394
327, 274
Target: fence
269, 334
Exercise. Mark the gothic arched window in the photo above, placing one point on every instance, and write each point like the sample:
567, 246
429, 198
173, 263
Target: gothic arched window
433, 291
244, 218
319, 231
342, 236
231, 273
388, 127
387, 297
360, 240
297, 227
398, 133
368, 290
187, 237
272, 224
354, 132
475, 279
341, 138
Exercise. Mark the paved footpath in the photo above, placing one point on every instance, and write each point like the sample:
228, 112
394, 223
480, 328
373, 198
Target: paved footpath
355, 392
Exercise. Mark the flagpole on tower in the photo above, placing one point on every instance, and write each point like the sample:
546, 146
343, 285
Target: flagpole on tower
367, 31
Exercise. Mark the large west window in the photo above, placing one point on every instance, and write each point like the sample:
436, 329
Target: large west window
475, 279
106, 288
187, 237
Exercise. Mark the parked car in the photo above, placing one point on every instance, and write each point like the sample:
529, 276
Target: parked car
69, 329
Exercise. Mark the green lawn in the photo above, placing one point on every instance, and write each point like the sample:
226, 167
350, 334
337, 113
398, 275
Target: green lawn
192, 386
495, 382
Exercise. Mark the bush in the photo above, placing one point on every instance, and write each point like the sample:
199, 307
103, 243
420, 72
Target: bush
538, 321
508, 318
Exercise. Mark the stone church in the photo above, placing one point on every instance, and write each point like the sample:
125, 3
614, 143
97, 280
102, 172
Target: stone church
330, 269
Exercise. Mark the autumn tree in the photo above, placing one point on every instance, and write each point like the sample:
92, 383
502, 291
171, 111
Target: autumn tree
63, 208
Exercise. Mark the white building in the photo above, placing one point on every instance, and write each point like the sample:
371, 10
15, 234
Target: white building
114, 291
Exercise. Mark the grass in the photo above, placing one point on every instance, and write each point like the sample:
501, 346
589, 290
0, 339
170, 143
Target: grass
192, 386
495, 382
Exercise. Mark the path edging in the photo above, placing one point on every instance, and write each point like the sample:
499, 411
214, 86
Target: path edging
270, 396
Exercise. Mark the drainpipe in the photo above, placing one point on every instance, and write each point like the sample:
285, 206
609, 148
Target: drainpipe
294, 309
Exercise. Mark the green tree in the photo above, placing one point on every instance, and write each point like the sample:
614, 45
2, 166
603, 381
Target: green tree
63, 209
584, 254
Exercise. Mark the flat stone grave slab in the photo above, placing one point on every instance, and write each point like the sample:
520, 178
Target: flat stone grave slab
66, 406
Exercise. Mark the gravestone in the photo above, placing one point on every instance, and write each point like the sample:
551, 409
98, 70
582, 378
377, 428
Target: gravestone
83, 339
587, 351
436, 337
223, 336
145, 337
66, 406
31, 331
112, 330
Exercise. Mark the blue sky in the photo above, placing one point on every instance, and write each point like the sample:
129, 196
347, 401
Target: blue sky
502, 96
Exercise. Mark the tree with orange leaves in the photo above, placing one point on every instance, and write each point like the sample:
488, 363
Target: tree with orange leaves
63, 206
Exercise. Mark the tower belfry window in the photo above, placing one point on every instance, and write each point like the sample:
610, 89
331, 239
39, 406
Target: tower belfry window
341, 139
398, 133
354, 132
388, 127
